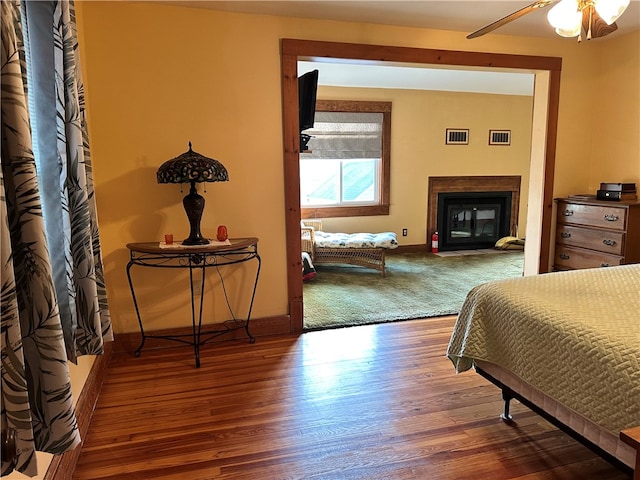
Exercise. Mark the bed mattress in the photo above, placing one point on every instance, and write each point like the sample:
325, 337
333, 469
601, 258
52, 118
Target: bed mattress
573, 335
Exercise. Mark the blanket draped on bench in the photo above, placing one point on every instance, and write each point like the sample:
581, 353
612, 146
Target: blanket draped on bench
355, 240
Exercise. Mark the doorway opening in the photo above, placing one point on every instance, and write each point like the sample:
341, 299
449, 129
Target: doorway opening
546, 96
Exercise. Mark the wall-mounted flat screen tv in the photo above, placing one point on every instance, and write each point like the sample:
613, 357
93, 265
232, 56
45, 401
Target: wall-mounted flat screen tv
307, 90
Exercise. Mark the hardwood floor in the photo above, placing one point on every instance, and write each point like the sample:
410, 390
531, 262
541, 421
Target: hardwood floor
370, 402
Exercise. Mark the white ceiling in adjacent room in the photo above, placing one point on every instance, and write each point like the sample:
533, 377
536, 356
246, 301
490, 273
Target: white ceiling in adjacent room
417, 77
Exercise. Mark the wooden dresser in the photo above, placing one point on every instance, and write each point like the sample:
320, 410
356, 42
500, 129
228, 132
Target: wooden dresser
594, 233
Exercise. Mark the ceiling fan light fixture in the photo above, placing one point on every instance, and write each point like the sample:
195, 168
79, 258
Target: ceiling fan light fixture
570, 17
569, 32
611, 10
566, 18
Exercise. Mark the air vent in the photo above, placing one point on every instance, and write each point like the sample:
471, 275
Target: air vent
456, 136
499, 137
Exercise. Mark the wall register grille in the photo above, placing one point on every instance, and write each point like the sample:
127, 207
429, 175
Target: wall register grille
457, 136
499, 137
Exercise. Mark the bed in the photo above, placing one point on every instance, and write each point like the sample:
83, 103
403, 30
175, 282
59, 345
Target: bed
567, 344
359, 249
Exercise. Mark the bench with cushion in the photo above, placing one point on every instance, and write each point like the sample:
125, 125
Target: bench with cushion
360, 249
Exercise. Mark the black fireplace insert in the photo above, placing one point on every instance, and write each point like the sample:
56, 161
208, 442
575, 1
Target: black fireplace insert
472, 220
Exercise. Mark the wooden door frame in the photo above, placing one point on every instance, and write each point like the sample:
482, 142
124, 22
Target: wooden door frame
293, 50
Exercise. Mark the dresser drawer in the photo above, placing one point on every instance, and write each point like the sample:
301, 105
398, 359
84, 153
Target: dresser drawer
592, 215
607, 241
575, 258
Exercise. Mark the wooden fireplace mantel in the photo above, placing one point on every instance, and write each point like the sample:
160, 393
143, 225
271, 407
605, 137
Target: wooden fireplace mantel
507, 183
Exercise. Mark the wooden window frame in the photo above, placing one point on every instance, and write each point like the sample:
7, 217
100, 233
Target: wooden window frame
384, 200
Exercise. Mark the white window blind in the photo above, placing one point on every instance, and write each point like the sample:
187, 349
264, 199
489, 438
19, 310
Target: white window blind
346, 135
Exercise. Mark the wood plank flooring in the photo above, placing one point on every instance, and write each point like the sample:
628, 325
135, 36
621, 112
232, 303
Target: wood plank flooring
370, 402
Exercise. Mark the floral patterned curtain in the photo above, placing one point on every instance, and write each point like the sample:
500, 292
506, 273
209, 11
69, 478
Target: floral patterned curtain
53, 297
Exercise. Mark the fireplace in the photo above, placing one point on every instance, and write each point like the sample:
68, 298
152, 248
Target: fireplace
484, 187
469, 220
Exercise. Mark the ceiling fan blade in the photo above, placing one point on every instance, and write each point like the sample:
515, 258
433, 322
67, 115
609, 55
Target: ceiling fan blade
510, 18
599, 28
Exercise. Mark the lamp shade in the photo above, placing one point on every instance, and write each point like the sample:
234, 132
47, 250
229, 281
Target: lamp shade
566, 18
610, 10
192, 167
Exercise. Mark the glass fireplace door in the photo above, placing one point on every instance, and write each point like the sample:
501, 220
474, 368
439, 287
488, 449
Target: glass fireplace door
472, 224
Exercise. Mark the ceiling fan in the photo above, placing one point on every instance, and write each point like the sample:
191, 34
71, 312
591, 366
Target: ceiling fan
570, 17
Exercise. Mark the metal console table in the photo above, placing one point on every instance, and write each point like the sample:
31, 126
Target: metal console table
201, 257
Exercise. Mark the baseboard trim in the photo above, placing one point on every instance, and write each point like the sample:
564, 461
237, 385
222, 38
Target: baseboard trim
423, 247
260, 327
62, 467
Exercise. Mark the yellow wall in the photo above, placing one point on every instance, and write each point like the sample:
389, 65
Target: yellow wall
158, 76
418, 151
616, 114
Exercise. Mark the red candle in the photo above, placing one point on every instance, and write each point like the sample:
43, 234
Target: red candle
222, 233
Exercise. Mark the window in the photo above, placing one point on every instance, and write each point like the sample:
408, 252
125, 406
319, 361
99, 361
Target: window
346, 172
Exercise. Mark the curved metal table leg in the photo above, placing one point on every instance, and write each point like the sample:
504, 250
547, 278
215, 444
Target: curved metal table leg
135, 304
252, 339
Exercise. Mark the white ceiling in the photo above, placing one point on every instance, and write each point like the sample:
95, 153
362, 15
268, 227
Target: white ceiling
463, 16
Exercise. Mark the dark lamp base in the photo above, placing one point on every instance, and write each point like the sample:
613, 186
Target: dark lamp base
195, 241
194, 206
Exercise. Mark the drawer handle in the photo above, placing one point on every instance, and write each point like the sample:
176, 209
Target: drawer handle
608, 242
605, 264
564, 256
611, 218
565, 235
567, 213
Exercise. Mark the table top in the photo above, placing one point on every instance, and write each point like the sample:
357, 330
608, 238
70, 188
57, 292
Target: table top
154, 247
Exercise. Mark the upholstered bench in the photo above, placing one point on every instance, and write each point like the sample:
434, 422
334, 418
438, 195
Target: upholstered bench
359, 249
